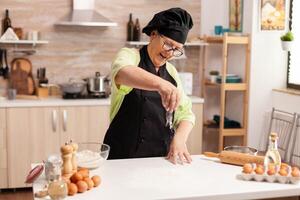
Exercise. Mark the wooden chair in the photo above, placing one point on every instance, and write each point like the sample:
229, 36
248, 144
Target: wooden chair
283, 124
295, 149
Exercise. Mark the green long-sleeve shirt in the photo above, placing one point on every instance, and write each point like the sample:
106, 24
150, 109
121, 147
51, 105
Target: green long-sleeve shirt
131, 57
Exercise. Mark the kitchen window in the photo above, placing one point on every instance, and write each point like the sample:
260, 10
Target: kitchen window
293, 75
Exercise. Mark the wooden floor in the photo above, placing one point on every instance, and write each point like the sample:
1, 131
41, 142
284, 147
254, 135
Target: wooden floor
18, 194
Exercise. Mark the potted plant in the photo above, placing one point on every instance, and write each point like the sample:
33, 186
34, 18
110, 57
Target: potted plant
213, 76
287, 41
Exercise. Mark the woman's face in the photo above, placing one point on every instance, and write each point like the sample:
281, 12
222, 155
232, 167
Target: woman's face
162, 48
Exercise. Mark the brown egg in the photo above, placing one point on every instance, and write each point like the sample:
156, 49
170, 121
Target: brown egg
284, 166
295, 173
72, 189
283, 172
89, 182
97, 180
271, 166
247, 168
84, 172
82, 186
259, 170
76, 177
295, 168
260, 166
271, 171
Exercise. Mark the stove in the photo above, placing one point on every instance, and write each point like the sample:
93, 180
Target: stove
85, 96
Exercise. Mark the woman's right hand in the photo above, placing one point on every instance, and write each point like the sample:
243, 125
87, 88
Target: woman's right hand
170, 95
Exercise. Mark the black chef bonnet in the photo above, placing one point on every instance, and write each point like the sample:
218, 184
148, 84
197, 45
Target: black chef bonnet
173, 23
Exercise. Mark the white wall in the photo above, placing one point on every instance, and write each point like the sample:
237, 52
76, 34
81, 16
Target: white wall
268, 62
268, 71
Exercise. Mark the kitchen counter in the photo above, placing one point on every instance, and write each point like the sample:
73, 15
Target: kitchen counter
157, 178
63, 102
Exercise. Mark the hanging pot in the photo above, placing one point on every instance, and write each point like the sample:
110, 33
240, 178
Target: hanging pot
286, 45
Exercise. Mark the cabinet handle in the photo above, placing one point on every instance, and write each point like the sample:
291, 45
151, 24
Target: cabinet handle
54, 120
65, 117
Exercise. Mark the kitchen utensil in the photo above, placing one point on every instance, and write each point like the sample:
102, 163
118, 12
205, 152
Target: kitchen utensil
97, 84
73, 86
6, 69
92, 155
21, 76
1, 62
34, 173
236, 158
242, 149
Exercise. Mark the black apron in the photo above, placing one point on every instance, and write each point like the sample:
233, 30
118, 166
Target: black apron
138, 129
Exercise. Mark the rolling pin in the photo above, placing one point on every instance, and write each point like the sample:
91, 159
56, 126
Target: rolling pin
235, 158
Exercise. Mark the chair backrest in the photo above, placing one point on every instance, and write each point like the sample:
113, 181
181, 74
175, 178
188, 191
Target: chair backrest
283, 124
295, 150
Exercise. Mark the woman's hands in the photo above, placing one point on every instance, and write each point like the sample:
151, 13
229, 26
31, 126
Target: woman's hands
178, 152
170, 95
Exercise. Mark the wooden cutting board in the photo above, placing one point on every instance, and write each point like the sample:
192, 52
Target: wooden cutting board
235, 158
21, 76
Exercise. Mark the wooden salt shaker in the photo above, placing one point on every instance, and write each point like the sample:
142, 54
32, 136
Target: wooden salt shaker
66, 154
74, 160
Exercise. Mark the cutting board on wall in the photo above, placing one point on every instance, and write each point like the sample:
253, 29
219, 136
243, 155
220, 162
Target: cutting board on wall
21, 76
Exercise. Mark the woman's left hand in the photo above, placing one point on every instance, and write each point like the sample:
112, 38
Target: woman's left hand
178, 152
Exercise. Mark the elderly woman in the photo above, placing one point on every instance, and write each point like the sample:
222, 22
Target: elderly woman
150, 114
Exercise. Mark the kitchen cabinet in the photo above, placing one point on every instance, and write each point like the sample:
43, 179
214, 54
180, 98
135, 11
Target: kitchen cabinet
3, 149
194, 142
32, 130
36, 132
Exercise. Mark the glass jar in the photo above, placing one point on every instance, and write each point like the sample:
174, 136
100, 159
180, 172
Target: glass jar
57, 188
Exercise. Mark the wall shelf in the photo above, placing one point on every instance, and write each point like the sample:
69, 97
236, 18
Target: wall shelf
25, 42
224, 88
25, 50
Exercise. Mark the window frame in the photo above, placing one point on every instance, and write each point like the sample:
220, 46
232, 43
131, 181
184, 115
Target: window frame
290, 85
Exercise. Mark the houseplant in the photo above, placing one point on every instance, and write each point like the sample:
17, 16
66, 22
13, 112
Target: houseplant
287, 41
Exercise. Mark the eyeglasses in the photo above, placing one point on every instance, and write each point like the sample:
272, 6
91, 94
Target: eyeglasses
168, 47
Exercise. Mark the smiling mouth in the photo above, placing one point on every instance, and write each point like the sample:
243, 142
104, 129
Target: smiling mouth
163, 57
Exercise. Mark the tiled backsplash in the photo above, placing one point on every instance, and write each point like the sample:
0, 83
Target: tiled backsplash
80, 51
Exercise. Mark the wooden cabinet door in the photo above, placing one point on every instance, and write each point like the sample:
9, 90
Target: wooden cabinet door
194, 141
3, 149
32, 137
84, 123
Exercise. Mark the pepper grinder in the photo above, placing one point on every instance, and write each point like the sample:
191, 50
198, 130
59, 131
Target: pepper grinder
74, 160
66, 154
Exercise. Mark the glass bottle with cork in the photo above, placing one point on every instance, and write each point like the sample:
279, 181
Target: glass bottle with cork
57, 188
272, 156
6, 23
137, 31
130, 28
